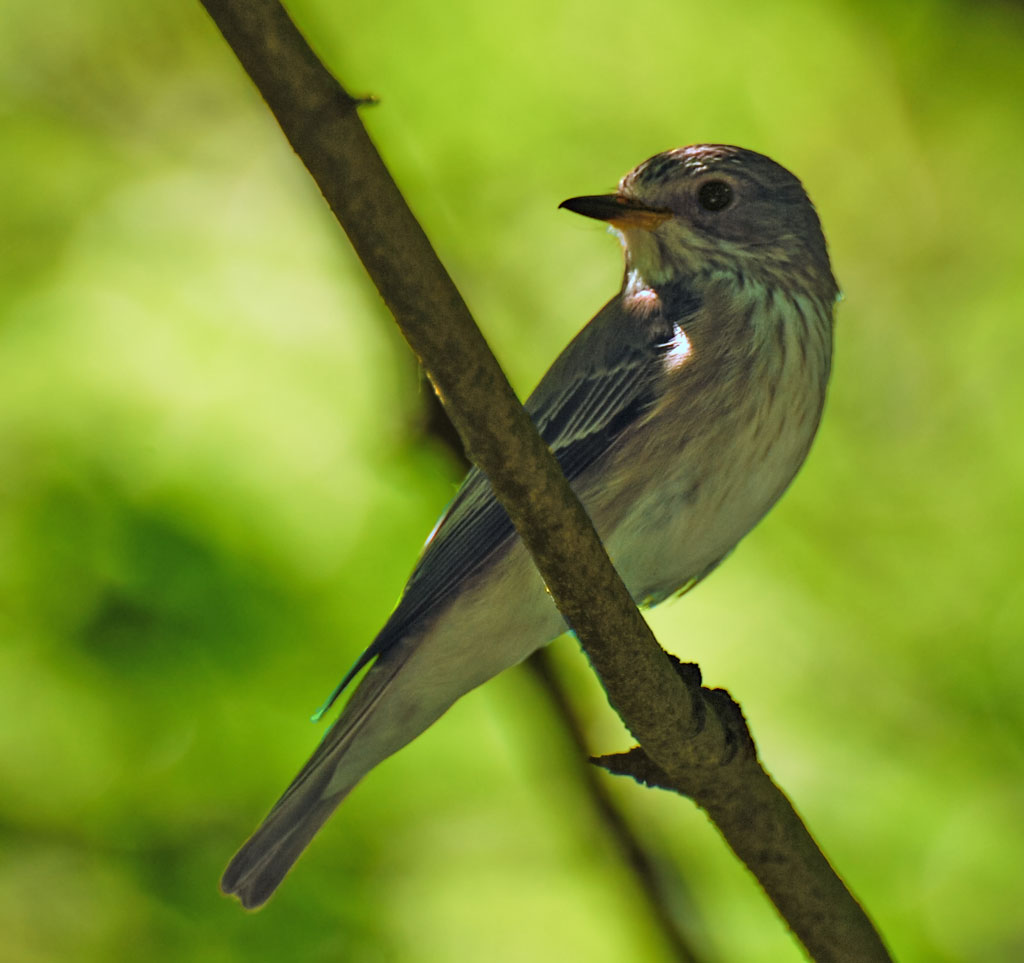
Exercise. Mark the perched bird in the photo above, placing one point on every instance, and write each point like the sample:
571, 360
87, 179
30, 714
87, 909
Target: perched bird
679, 414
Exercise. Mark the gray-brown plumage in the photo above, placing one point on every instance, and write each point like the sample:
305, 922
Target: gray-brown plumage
679, 414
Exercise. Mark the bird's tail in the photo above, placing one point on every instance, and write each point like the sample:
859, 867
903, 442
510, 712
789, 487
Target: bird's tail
323, 782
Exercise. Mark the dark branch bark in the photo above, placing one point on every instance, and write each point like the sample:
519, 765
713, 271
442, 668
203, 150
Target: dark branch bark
692, 738
676, 919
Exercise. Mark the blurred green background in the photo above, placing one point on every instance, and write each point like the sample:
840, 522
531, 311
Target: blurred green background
214, 479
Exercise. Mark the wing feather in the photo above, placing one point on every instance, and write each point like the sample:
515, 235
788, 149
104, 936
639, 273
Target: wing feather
603, 382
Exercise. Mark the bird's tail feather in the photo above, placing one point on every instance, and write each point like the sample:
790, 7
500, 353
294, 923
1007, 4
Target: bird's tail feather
266, 857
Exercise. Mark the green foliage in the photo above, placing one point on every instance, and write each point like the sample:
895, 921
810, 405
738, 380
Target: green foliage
212, 482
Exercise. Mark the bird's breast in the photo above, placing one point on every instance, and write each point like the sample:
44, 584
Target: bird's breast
730, 431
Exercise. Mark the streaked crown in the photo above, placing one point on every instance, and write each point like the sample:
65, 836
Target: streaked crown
726, 209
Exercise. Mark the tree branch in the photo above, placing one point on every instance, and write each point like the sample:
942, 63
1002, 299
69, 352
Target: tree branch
694, 740
675, 918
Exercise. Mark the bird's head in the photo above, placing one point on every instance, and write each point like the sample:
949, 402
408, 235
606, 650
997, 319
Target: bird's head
711, 210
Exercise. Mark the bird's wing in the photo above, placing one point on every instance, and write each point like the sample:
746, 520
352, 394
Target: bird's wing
601, 384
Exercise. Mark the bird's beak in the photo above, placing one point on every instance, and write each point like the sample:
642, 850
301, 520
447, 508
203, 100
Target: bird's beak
619, 211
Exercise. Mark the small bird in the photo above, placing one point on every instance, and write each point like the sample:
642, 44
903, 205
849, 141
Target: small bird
679, 414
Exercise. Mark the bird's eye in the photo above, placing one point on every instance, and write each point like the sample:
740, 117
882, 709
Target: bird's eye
714, 195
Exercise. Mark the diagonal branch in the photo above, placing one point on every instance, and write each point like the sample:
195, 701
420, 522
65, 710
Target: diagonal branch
693, 741
675, 918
